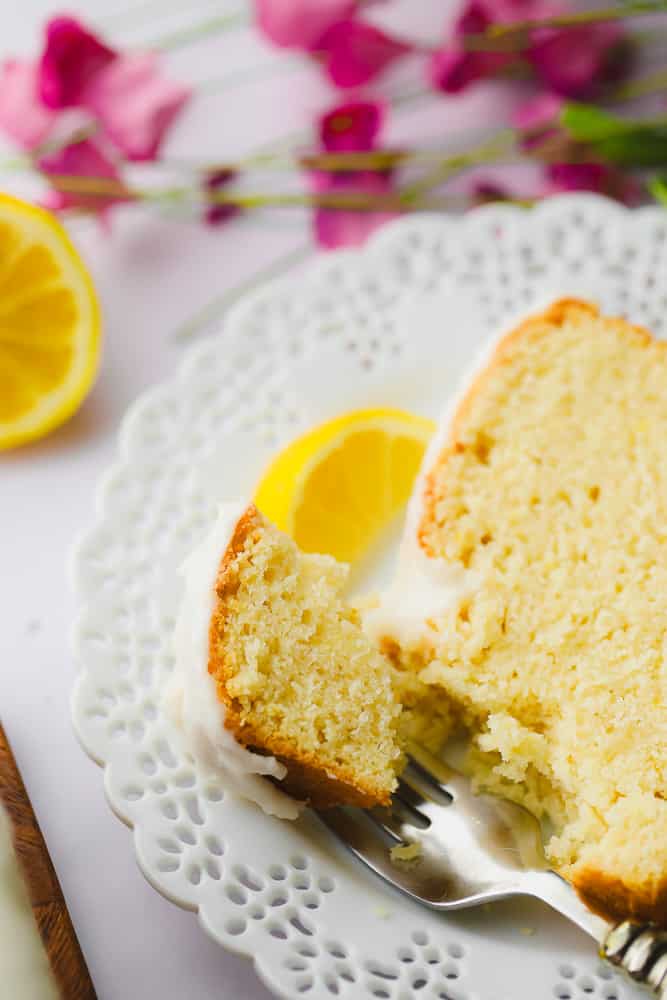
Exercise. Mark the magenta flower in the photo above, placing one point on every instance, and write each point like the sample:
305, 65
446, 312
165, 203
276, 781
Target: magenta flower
300, 24
575, 61
132, 103
354, 52
453, 67
214, 181
483, 192
86, 160
570, 61
537, 119
72, 56
601, 178
352, 127
22, 115
135, 104
340, 227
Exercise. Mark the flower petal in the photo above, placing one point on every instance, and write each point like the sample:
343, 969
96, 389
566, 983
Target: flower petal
354, 52
538, 112
86, 160
352, 127
22, 114
598, 177
453, 67
214, 180
574, 61
483, 192
300, 23
342, 227
135, 103
72, 57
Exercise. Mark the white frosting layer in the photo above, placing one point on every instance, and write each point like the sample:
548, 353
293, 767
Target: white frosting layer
191, 699
425, 588
24, 968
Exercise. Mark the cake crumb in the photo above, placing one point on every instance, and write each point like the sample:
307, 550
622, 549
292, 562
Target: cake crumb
406, 853
527, 931
383, 912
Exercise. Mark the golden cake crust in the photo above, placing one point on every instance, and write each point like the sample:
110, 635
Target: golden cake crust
306, 778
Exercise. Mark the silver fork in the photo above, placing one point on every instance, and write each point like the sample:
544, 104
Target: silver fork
478, 848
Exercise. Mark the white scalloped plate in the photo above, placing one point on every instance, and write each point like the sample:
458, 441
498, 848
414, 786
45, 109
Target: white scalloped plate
394, 323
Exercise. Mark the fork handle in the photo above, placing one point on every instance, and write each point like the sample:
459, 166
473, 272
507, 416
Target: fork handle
641, 951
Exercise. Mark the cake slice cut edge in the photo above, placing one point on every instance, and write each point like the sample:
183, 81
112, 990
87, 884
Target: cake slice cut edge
298, 678
549, 493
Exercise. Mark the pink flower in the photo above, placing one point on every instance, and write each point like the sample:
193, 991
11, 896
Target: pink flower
86, 160
341, 227
72, 56
22, 116
354, 52
600, 178
454, 66
214, 181
135, 104
537, 119
300, 24
351, 127
574, 61
484, 192
537, 113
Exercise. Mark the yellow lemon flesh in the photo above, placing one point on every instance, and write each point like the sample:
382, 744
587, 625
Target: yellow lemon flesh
335, 488
49, 324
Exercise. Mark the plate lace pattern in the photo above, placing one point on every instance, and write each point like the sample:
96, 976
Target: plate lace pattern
348, 332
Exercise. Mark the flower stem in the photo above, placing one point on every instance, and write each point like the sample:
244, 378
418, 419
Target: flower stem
357, 201
576, 18
512, 35
194, 33
650, 83
491, 151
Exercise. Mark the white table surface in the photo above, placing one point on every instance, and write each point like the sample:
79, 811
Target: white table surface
152, 274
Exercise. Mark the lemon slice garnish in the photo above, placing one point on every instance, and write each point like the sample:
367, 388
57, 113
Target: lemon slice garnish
49, 324
335, 488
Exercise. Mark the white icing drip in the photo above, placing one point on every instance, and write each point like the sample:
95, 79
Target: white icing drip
422, 591
191, 699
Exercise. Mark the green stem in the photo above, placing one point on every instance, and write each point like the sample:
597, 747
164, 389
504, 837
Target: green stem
102, 187
649, 84
491, 151
211, 26
505, 32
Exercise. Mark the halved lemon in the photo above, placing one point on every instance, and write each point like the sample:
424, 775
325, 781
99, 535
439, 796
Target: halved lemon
49, 324
335, 488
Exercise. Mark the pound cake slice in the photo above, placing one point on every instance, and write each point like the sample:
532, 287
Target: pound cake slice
547, 505
297, 675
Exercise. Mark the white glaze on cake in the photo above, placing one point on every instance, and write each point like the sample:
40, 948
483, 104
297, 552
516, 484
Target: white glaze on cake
191, 699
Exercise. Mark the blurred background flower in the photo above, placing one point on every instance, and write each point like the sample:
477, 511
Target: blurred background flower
86, 111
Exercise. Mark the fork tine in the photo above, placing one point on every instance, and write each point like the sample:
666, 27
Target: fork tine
387, 822
428, 882
418, 787
405, 807
435, 772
